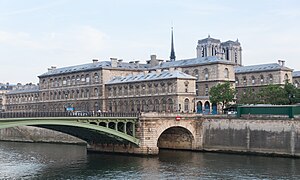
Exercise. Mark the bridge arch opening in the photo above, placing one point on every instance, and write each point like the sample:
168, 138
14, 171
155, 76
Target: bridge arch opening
176, 138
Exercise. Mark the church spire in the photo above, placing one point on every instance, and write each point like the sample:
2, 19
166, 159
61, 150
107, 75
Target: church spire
172, 56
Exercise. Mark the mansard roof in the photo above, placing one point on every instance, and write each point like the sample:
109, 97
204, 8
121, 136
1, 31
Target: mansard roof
260, 68
209, 39
296, 74
31, 89
150, 77
192, 62
92, 66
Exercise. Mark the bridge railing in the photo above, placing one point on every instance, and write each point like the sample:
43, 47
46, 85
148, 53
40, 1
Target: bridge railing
65, 114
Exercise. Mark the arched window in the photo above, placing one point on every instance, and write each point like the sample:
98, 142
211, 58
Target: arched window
236, 81
286, 78
245, 80
270, 78
68, 81
253, 80
226, 73
82, 78
96, 77
73, 80
235, 56
156, 106
196, 73
164, 105
262, 80
77, 79
170, 105
186, 105
87, 78
206, 75
206, 89
64, 81
296, 83
186, 71
96, 92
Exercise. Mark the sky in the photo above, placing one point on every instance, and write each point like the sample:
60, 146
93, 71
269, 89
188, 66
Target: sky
35, 34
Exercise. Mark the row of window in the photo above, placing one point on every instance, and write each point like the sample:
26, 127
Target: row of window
260, 80
156, 105
205, 72
71, 81
23, 98
142, 89
72, 94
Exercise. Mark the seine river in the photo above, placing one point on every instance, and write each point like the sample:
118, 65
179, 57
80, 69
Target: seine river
57, 161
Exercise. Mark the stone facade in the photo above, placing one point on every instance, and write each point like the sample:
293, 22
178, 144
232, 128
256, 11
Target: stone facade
23, 98
168, 91
296, 78
258, 76
229, 50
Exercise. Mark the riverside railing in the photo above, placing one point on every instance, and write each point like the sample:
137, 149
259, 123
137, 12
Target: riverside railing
66, 114
262, 110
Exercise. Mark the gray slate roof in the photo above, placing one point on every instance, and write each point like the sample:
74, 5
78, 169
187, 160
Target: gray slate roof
260, 68
92, 66
296, 74
150, 77
190, 62
24, 90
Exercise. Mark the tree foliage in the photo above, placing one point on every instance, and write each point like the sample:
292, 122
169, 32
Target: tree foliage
249, 97
222, 94
272, 94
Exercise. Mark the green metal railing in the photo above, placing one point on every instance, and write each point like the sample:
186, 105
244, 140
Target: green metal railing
284, 110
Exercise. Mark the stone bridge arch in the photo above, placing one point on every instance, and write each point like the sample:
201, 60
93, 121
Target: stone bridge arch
176, 135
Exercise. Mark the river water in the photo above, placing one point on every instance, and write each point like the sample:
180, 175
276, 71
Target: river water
58, 161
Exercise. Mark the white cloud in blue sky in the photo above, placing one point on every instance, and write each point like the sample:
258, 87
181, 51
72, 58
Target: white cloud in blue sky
35, 35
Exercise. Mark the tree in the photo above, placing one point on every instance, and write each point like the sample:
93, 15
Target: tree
222, 94
273, 94
248, 97
292, 93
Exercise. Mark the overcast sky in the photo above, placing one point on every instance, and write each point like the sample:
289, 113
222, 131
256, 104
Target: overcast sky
35, 34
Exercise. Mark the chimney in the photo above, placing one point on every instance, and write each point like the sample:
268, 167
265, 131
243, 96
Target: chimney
136, 62
153, 57
95, 60
281, 62
53, 67
114, 62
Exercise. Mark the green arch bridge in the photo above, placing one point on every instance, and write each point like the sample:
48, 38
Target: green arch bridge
92, 127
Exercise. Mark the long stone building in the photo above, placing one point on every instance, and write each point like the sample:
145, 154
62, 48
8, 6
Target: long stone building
158, 85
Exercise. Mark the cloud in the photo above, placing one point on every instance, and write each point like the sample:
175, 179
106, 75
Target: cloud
34, 9
18, 39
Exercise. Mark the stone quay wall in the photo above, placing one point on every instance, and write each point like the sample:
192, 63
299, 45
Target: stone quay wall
272, 137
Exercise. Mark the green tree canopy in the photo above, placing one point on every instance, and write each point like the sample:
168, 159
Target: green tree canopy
272, 94
222, 94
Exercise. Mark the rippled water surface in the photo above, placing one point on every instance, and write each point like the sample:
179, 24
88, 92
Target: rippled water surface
57, 161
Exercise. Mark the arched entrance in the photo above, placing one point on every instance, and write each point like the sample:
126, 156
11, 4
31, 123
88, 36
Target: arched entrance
175, 138
207, 107
199, 107
214, 109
